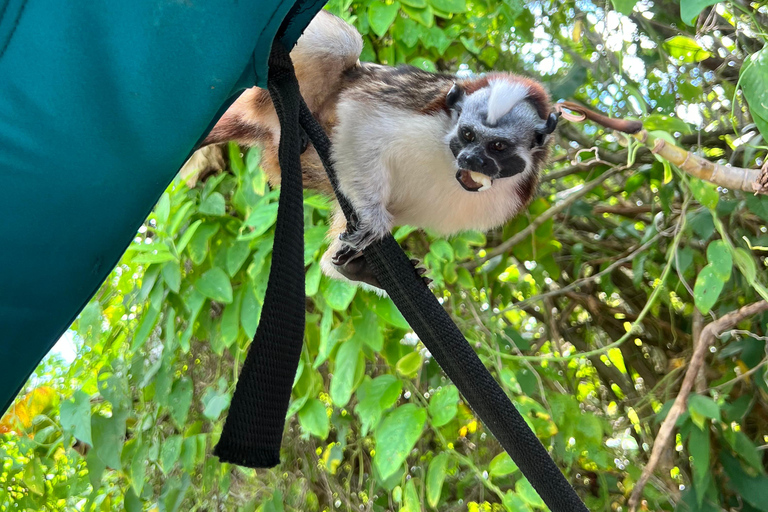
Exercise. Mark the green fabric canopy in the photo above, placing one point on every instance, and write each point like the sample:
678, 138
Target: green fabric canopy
101, 102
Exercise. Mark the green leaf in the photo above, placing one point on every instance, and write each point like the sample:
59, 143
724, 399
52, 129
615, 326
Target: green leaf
139, 467
704, 406
274, 504
418, 4
250, 312
236, 256
381, 16
435, 477
719, 257
387, 311
75, 416
151, 253
313, 239
327, 343
169, 453
409, 364
685, 49
173, 492
108, 437
502, 465
707, 289
625, 7
570, 83
514, 503
423, 63
312, 280
525, 490
172, 275
345, 369
259, 221
230, 319
215, 285
753, 77
338, 294
34, 477
746, 449
214, 204
396, 436
179, 217
216, 401
163, 209
698, 447
180, 399
424, 16
313, 419
443, 405
442, 250
758, 204
662, 122
187, 236
753, 489
435, 38
198, 244
131, 502
367, 329
690, 9
705, 193
450, 6
146, 324
374, 396
411, 498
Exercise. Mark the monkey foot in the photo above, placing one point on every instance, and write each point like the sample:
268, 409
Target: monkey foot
352, 264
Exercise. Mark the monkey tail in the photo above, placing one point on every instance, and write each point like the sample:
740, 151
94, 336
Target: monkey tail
622, 125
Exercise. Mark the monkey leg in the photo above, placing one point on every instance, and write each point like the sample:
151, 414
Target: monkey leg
346, 262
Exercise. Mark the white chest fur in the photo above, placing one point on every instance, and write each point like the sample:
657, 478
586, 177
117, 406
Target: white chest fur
403, 159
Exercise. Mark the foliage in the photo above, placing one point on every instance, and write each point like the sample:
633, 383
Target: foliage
587, 321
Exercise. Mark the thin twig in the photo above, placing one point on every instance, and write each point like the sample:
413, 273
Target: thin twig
541, 219
585, 280
708, 336
742, 376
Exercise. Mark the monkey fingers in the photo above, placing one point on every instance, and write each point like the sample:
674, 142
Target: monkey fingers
343, 255
420, 271
355, 268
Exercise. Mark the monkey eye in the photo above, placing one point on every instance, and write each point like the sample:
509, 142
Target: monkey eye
468, 135
498, 146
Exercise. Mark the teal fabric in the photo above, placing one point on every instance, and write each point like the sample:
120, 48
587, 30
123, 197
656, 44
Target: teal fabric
101, 102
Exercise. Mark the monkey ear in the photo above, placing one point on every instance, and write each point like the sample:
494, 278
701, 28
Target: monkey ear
454, 97
551, 123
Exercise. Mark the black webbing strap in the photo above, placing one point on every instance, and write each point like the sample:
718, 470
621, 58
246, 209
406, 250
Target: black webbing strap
254, 427
248, 435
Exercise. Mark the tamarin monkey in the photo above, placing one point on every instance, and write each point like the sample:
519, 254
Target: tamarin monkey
409, 147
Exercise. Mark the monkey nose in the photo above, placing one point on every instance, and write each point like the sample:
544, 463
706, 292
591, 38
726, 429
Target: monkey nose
473, 162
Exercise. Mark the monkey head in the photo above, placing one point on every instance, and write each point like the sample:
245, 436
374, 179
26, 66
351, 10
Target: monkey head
502, 129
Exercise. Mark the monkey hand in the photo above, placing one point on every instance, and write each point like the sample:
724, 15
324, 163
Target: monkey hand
365, 228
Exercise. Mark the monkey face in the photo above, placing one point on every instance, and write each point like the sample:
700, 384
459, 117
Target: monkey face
498, 134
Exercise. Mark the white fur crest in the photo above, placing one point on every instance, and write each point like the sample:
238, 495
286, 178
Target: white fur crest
503, 98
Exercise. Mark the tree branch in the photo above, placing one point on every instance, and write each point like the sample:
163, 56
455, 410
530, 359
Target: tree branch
708, 336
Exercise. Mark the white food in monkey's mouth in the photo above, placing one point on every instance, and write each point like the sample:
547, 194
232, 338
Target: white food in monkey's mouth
473, 181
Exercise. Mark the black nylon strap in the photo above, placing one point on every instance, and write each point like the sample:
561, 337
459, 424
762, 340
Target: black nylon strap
252, 434
254, 427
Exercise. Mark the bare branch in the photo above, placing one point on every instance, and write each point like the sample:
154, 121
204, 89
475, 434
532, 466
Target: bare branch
708, 336
751, 180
